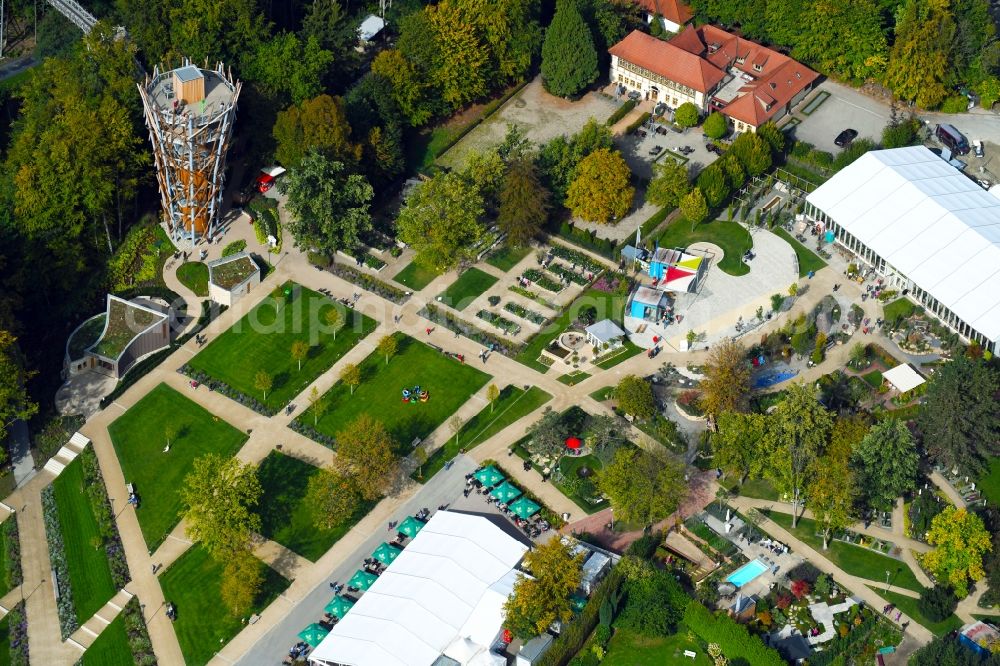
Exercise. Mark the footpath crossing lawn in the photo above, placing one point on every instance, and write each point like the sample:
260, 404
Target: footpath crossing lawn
448, 382
854, 560
514, 403
262, 340
909, 607
139, 437
284, 514
204, 624
111, 647
89, 571
466, 288
415, 276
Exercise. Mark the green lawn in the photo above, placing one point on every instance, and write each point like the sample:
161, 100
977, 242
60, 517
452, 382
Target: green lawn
990, 484
901, 308
628, 648
194, 276
285, 516
759, 489
466, 288
873, 378
570, 467
448, 382
609, 306
89, 571
139, 438
514, 403
111, 647
854, 560
573, 378
415, 276
4, 589
602, 394
624, 353
507, 257
262, 340
909, 607
808, 260
5, 659
204, 624
730, 236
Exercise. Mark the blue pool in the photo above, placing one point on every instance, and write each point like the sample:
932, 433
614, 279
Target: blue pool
746, 573
772, 378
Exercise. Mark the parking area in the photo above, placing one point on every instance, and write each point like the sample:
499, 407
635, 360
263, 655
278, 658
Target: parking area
843, 108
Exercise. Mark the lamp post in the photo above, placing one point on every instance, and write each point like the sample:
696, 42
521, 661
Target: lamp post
612, 519
887, 581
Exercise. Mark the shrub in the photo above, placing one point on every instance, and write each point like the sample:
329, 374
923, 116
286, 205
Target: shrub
777, 300
937, 603
686, 115
800, 588
715, 126
620, 112
235, 247
734, 639
637, 123
955, 104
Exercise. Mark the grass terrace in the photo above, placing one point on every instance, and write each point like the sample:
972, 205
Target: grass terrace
574, 378
854, 560
513, 404
466, 288
758, 489
909, 607
873, 378
125, 321
194, 276
89, 571
901, 308
415, 276
204, 624
808, 260
286, 517
262, 340
505, 258
139, 437
609, 306
629, 648
448, 381
232, 273
86, 335
733, 238
111, 648
990, 484
581, 467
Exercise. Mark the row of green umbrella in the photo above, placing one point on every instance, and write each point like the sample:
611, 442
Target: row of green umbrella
506, 492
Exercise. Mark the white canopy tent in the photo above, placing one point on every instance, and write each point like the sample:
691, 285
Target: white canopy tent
903, 378
929, 222
444, 594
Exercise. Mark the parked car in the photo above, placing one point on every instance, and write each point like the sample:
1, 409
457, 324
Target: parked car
844, 138
712, 148
952, 138
977, 147
655, 150
267, 178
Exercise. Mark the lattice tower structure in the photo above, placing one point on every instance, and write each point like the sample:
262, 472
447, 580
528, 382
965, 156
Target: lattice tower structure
190, 112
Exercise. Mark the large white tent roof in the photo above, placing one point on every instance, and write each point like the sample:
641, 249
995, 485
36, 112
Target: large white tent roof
903, 377
444, 594
929, 221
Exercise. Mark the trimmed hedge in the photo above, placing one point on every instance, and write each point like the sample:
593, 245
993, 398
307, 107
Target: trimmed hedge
637, 123
366, 281
235, 247
735, 641
620, 112
588, 240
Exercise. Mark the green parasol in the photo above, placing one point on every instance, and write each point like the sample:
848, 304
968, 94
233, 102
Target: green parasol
362, 580
505, 492
410, 527
338, 606
524, 508
489, 476
386, 553
313, 634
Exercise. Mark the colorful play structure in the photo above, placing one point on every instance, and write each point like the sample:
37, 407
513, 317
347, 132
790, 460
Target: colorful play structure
415, 395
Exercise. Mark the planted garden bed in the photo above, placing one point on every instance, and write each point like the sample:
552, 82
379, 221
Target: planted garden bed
525, 313
504, 324
566, 274
542, 280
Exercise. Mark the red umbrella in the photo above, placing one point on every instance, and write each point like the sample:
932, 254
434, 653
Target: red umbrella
573, 442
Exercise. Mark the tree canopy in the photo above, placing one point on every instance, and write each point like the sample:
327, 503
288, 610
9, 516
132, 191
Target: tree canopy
669, 184
441, 221
540, 600
219, 495
318, 124
634, 396
726, 386
960, 540
366, 453
524, 204
886, 463
643, 487
601, 190
569, 59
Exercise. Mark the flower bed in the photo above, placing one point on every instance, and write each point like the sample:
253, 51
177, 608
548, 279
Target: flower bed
444, 318
610, 283
57, 558
365, 281
18, 623
525, 313
542, 280
566, 274
225, 389
527, 293
504, 324
138, 634
373, 262
12, 553
306, 429
103, 512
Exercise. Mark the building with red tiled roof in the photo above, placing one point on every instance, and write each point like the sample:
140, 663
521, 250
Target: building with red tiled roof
674, 13
716, 71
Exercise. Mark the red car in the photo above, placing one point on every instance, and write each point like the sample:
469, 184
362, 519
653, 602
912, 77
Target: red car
267, 177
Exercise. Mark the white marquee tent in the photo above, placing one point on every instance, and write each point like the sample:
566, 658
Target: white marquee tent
903, 378
443, 595
927, 220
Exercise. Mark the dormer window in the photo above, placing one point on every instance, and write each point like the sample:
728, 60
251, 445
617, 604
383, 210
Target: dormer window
758, 67
773, 85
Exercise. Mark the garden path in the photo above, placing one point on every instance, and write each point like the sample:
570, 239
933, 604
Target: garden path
953, 495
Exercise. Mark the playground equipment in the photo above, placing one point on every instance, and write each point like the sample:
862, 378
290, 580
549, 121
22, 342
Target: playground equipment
416, 394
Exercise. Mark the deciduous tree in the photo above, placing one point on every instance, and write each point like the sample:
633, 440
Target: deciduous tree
918, 68
601, 191
753, 152
644, 487
544, 598
569, 60
365, 451
886, 462
737, 445
694, 208
492, 393
441, 221
316, 124
960, 540
669, 184
715, 126
15, 403
712, 183
242, 578
548, 434
726, 386
387, 346
634, 396
350, 374
262, 381
328, 203
333, 496
300, 351
832, 491
219, 495
686, 115
524, 204
286, 67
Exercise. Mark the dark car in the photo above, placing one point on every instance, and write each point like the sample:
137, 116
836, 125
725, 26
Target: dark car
844, 138
655, 150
